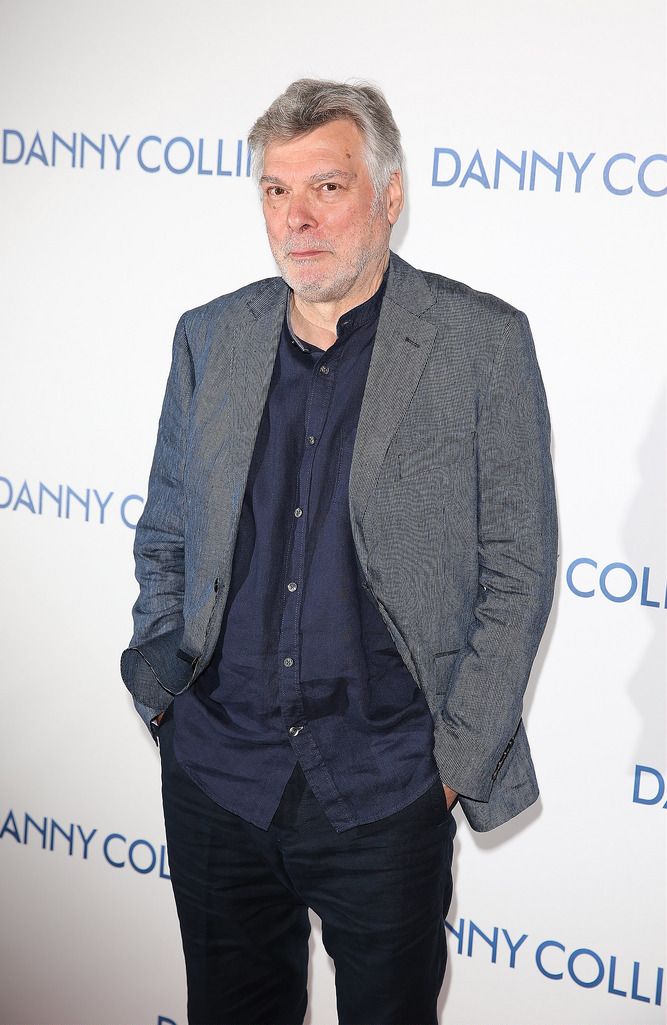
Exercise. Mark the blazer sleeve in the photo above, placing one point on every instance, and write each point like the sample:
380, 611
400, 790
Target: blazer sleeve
517, 553
150, 666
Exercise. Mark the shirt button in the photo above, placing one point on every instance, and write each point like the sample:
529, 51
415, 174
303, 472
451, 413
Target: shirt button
288, 661
311, 439
291, 586
294, 731
298, 512
324, 369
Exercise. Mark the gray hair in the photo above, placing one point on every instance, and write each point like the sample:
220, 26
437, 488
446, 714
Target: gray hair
310, 102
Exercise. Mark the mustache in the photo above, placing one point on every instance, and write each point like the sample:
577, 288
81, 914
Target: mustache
301, 244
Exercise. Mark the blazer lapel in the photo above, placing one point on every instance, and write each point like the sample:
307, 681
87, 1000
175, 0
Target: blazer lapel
253, 365
253, 355
402, 346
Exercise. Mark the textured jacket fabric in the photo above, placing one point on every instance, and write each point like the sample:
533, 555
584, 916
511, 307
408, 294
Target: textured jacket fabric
451, 502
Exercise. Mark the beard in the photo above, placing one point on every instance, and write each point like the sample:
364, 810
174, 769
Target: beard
312, 283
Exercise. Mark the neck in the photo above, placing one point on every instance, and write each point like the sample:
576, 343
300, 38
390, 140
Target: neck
315, 322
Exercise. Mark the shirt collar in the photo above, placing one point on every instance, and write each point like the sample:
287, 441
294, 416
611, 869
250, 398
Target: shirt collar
361, 315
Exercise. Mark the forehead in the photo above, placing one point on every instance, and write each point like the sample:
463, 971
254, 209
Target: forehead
338, 144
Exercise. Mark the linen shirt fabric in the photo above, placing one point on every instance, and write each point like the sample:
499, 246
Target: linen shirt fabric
305, 668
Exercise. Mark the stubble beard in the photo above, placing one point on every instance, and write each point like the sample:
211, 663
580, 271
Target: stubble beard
344, 277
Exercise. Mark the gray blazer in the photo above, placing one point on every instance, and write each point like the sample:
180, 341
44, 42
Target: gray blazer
451, 502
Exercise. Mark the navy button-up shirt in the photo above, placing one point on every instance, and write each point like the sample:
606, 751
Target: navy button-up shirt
305, 668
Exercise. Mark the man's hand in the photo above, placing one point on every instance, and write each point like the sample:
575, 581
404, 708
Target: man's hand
157, 719
451, 795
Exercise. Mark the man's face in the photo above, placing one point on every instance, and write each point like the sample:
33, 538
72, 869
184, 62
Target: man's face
326, 233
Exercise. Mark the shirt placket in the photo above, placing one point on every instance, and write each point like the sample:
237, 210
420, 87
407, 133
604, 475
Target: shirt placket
320, 395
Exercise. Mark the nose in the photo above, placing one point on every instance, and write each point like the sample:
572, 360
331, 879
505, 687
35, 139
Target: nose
300, 214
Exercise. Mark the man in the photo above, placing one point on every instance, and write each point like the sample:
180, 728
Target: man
346, 562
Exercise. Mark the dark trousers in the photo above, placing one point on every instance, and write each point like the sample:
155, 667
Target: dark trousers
382, 891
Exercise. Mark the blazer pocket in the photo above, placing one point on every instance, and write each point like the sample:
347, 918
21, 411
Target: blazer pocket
444, 665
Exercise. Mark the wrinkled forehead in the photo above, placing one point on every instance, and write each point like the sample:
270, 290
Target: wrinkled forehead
337, 145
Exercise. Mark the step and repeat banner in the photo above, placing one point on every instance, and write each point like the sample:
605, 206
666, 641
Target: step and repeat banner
536, 170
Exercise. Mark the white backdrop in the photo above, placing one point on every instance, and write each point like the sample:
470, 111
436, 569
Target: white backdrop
103, 246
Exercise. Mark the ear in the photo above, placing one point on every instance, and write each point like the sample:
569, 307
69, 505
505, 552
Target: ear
394, 197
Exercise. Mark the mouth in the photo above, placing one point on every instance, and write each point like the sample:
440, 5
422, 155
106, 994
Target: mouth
307, 254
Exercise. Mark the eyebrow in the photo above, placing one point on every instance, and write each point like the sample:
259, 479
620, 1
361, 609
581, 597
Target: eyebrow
321, 176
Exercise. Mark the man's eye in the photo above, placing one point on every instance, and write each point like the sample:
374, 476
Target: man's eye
330, 187
275, 190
